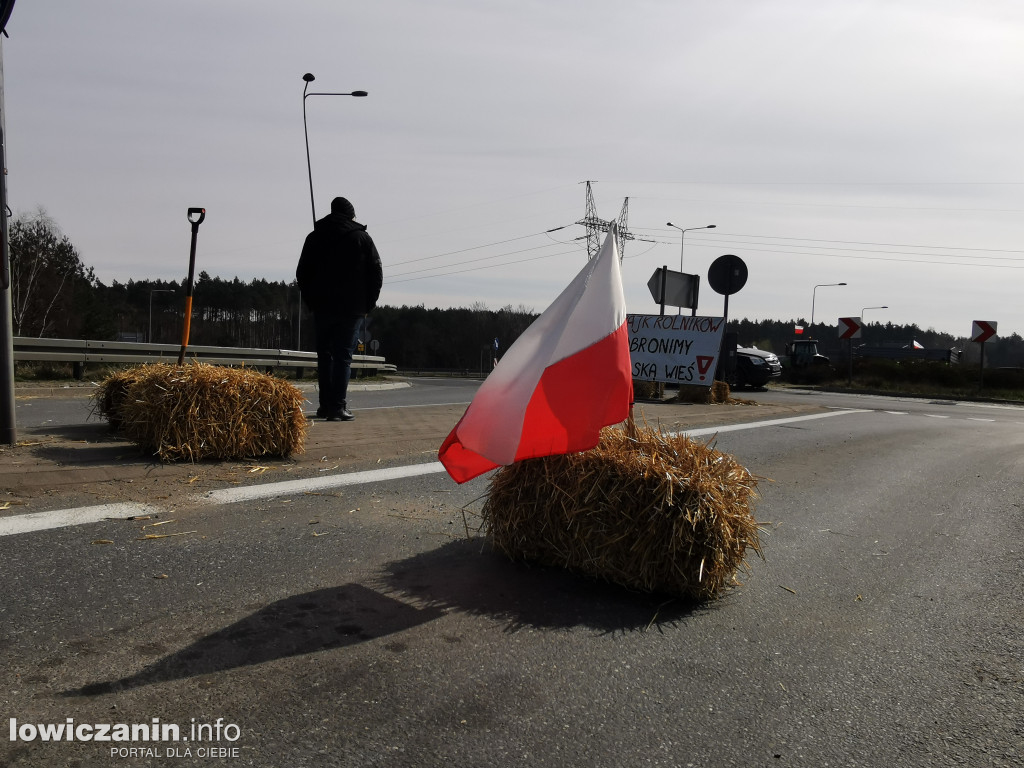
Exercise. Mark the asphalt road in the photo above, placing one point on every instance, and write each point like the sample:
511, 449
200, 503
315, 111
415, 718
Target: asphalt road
359, 626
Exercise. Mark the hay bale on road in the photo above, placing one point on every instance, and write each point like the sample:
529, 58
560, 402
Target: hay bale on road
653, 512
645, 390
200, 411
716, 394
113, 392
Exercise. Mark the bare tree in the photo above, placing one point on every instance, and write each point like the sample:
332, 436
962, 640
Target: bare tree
44, 268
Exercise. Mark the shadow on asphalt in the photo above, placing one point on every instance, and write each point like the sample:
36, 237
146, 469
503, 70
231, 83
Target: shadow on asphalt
469, 576
464, 575
314, 621
99, 432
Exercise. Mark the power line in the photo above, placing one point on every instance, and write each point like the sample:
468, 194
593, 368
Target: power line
476, 247
886, 258
889, 245
804, 252
389, 281
726, 239
471, 261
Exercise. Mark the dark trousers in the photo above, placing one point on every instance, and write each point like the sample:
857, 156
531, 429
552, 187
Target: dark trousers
335, 342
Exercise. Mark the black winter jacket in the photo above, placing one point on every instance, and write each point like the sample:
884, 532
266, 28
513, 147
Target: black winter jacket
339, 271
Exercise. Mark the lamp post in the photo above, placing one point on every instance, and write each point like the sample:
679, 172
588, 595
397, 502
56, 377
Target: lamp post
682, 238
682, 244
814, 292
309, 78
149, 338
867, 308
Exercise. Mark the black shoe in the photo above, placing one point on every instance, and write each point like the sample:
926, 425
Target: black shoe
321, 412
343, 415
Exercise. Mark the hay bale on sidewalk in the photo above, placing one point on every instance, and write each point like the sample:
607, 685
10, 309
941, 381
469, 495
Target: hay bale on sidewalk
199, 411
654, 512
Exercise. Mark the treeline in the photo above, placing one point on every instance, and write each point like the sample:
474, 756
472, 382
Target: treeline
772, 335
464, 339
54, 295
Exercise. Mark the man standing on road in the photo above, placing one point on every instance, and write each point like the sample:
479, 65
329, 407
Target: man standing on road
340, 277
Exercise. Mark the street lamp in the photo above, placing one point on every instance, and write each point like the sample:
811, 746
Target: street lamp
149, 338
682, 238
867, 308
309, 78
682, 244
813, 297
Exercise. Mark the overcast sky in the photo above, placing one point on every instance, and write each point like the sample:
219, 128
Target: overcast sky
873, 143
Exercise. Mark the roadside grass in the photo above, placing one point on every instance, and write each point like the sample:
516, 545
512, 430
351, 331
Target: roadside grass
920, 378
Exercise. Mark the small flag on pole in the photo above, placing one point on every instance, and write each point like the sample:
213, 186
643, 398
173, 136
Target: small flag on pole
567, 376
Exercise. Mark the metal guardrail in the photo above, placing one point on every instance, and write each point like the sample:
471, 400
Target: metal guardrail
80, 352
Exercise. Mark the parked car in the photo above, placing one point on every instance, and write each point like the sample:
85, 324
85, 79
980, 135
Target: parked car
755, 367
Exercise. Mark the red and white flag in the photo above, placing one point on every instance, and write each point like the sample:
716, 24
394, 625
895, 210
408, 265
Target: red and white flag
567, 376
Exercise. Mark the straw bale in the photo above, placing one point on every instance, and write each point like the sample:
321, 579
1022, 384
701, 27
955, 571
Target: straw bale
652, 512
644, 390
717, 394
199, 411
112, 393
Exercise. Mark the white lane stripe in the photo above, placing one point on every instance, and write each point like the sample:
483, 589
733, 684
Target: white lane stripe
393, 407
974, 418
769, 423
61, 518
268, 490
935, 416
898, 413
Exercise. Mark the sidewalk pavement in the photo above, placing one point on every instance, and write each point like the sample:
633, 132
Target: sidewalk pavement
60, 466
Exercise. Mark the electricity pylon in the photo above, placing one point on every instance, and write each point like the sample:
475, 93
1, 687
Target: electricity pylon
595, 225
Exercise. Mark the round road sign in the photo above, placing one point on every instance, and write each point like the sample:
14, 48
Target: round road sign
727, 274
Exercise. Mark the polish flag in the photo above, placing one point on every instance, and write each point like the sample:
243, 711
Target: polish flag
567, 376
918, 346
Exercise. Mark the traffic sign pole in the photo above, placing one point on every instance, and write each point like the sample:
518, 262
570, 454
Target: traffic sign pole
664, 280
982, 331
726, 275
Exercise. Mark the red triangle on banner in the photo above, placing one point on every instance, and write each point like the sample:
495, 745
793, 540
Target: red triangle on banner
703, 363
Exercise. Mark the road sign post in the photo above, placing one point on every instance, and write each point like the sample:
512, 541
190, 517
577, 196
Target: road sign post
982, 331
849, 329
726, 275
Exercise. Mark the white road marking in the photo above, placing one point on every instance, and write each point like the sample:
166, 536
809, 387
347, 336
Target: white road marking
768, 423
393, 407
974, 418
62, 518
39, 521
269, 490
899, 413
935, 416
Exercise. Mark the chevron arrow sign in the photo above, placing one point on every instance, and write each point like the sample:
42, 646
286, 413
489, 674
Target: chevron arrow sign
849, 327
983, 330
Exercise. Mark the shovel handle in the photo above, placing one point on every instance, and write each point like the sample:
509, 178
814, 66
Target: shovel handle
200, 212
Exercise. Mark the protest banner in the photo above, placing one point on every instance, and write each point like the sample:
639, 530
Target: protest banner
677, 349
